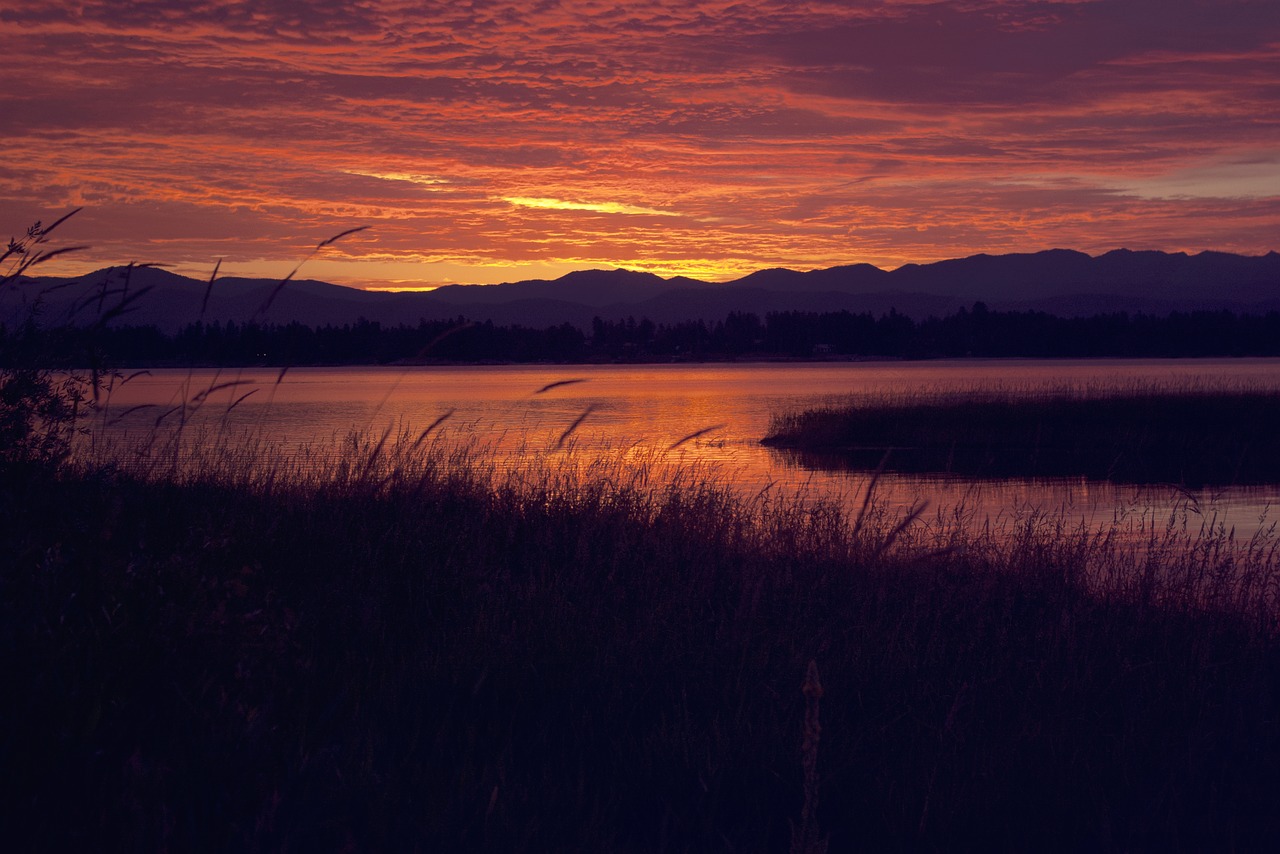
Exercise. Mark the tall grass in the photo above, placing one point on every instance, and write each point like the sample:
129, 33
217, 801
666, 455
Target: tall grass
393, 644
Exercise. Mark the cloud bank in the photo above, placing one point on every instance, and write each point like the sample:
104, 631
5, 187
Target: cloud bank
484, 139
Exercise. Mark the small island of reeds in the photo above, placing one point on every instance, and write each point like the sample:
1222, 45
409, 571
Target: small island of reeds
1193, 439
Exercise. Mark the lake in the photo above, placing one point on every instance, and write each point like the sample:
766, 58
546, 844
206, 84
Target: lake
711, 416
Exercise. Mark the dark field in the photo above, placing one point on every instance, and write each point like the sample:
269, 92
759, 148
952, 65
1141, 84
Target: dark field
408, 652
1194, 439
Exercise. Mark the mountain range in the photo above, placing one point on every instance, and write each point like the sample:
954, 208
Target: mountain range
1057, 281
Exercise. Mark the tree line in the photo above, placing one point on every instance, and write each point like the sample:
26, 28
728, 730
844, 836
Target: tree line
970, 332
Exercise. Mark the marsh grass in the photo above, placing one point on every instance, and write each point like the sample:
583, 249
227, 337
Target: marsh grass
394, 643
1191, 438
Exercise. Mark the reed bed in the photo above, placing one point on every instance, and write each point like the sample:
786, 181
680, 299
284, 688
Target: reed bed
1191, 437
393, 643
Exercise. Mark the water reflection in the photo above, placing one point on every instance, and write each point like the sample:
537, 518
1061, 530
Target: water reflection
644, 411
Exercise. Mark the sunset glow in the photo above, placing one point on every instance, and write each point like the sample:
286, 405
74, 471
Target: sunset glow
496, 141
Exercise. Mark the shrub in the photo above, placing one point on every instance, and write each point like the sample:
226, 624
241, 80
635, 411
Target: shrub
40, 406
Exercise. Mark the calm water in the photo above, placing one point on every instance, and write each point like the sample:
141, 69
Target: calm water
650, 408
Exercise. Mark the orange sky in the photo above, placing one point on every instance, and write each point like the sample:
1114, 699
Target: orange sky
497, 141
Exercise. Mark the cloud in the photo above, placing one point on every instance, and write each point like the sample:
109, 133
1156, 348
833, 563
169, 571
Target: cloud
1256, 177
595, 207
408, 177
739, 135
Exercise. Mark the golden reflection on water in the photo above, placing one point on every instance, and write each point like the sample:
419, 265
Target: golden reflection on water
638, 413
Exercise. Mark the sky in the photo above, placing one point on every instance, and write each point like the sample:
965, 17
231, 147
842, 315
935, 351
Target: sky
484, 142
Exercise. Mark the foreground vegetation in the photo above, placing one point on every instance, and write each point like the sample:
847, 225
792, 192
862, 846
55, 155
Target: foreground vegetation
1217, 437
401, 648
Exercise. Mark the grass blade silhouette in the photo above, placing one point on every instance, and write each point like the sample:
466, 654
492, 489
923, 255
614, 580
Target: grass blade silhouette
558, 383
577, 422
275, 292
432, 426
695, 434
208, 289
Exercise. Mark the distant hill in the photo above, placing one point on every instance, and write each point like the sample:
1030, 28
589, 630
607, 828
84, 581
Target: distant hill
1057, 281
584, 287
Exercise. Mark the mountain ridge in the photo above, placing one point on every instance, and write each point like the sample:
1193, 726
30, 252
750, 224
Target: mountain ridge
1056, 281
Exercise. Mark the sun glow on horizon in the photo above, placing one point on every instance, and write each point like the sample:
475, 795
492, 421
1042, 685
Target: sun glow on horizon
694, 138
408, 177
595, 207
